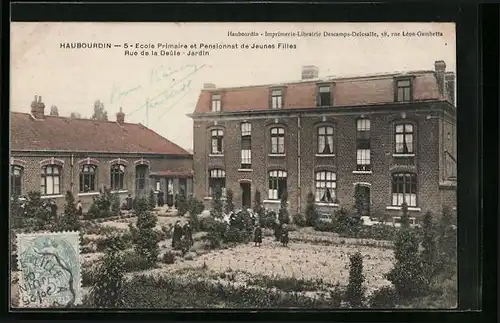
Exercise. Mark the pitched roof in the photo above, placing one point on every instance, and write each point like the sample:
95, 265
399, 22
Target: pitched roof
354, 91
68, 134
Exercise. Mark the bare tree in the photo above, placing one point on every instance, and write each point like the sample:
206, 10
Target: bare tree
54, 111
75, 115
99, 112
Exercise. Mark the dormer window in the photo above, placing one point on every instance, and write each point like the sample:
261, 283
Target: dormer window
403, 90
216, 102
324, 96
277, 99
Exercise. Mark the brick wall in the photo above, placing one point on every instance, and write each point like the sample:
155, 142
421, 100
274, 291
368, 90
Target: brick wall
426, 161
70, 175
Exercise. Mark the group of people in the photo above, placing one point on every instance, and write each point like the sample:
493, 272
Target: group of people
181, 233
280, 234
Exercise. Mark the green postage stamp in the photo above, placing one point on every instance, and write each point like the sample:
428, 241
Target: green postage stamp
50, 272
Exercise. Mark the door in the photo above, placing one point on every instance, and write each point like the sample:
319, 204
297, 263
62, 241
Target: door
141, 188
246, 195
362, 199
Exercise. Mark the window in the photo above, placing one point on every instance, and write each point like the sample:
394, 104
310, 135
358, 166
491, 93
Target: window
404, 139
325, 140
51, 180
216, 103
403, 91
117, 175
217, 141
324, 96
246, 145
88, 178
363, 145
16, 174
140, 176
276, 99
404, 189
157, 185
217, 181
325, 187
277, 140
277, 184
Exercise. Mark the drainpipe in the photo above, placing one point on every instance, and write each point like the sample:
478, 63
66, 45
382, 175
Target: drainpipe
298, 162
72, 174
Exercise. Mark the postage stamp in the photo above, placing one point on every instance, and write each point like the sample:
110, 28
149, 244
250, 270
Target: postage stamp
50, 272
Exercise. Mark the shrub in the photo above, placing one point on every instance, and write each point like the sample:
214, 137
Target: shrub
299, 220
168, 258
16, 213
151, 203
375, 232
108, 280
385, 297
355, 290
407, 273
145, 238
115, 204
216, 210
229, 207
122, 240
183, 205
134, 262
347, 224
104, 206
257, 206
268, 219
241, 220
215, 232
311, 214
429, 252
324, 226
36, 213
87, 277
447, 243
195, 208
148, 292
69, 220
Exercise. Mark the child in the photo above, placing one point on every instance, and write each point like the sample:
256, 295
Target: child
284, 236
257, 235
79, 208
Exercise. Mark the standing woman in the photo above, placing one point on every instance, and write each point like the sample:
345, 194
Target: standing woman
257, 235
284, 235
177, 235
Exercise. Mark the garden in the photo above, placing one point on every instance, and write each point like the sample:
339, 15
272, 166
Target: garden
132, 258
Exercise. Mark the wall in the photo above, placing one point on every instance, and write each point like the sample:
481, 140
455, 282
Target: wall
425, 162
70, 175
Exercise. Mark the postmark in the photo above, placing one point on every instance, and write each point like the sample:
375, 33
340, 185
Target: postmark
50, 271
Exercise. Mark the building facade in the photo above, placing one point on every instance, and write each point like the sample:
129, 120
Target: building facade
386, 139
53, 155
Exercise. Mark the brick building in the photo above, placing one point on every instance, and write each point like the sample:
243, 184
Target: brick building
53, 154
391, 136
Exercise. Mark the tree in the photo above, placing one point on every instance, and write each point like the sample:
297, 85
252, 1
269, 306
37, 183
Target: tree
69, 220
447, 242
229, 201
311, 214
407, 273
182, 203
151, 200
144, 236
107, 290
36, 212
99, 112
75, 115
54, 111
283, 216
258, 208
355, 292
405, 218
216, 210
429, 252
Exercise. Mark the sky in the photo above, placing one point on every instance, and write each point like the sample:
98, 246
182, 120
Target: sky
158, 91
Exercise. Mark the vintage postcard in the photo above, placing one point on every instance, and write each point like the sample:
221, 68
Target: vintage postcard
233, 165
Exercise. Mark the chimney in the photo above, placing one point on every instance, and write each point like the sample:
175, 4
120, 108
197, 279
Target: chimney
310, 72
38, 108
449, 79
209, 86
440, 70
120, 117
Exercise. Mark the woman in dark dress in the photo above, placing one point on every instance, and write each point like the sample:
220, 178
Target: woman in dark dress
188, 233
284, 236
277, 231
177, 235
257, 235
